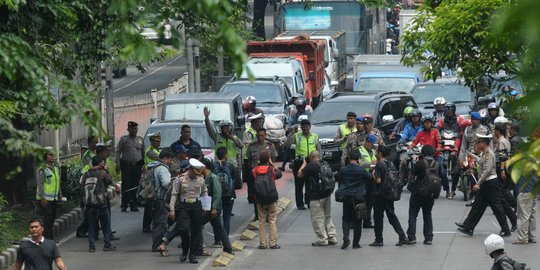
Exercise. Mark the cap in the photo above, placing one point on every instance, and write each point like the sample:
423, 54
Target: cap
305, 122
351, 114
371, 138
185, 164
501, 120
49, 149
475, 115
359, 119
155, 136
367, 119
179, 148
132, 124
257, 116
196, 164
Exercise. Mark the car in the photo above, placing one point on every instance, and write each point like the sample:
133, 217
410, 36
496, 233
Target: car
170, 132
190, 106
386, 108
117, 71
272, 95
461, 95
386, 81
287, 68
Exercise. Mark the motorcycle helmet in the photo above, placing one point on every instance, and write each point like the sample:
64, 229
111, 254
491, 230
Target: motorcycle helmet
493, 243
500, 120
439, 101
514, 93
493, 106
251, 100
489, 99
300, 102
450, 106
426, 118
407, 111
224, 123
416, 112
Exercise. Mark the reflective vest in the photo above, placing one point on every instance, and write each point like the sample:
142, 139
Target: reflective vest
147, 160
87, 160
51, 184
246, 143
229, 144
366, 156
304, 145
345, 131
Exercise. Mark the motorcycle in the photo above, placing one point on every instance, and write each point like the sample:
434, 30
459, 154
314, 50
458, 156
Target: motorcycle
449, 151
468, 172
408, 158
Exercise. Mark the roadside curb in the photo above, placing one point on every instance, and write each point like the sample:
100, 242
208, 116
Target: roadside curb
61, 224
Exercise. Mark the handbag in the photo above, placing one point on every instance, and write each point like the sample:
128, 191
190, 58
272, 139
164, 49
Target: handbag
361, 210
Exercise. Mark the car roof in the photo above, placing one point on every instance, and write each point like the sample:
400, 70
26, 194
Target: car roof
358, 96
263, 80
204, 96
444, 80
388, 74
163, 123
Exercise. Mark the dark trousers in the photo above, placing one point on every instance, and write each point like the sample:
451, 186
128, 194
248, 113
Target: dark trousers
188, 219
442, 172
488, 194
148, 215
507, 208
227, 205
381, 205
248, 178
299, 184
455, 173
160, 216
131, 175
218, 229
415, 204
48, 214
370, 200
349, 217
103, 215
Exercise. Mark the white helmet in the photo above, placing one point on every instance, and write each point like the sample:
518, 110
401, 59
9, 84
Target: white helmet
302, 117
501, 119
493, 243
439, 101
224, 123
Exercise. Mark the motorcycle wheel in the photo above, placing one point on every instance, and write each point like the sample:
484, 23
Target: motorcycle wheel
465, 187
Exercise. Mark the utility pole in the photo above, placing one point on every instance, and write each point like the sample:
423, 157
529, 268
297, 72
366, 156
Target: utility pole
109, 104
197, 65
191, 71
220, 62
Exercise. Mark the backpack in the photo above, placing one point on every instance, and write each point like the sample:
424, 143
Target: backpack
93, 192
391, 186
147, 186
515, 264
431, 186
225, 178
264, 188
327, 182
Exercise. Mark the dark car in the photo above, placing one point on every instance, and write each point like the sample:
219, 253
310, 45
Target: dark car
386, 108
272, 95
461, 95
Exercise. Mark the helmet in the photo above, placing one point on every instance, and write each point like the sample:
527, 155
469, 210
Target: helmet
245, 105
501, 120
224, 123
450, 106
493, 243
297, 95
426, 118
367, 115
302, 117
439, 101
251, 99
407, 111
300, 102
489, 99
493, 106
416, 112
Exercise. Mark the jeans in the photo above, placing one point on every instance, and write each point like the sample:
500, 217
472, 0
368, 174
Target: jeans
159, 222
227, 205
103, 215
381, 205
349, 216
442, 172
415, 204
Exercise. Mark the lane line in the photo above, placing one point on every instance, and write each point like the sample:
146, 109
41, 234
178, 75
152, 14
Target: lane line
148, 74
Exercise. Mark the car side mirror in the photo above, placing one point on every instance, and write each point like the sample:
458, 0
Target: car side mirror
311, 75
335, 53
387, 119
334, 83
152, 120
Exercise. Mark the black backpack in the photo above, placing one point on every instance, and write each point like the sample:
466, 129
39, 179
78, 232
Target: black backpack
93, 192
265, 189
225, 178
327, 182
391, 186
516, 265
431, 185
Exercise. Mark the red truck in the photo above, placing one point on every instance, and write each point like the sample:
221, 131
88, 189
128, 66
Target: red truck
309, 52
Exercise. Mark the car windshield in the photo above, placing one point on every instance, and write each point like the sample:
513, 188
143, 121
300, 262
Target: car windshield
194, 111
264, 93
456, 93
385, 84
329, 112
171, 133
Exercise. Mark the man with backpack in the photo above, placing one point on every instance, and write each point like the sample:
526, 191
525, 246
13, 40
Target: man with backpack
159, 176
320, 184
266, 196
495, 249
425, 187
368, 158
95, 183
151, 154
224, 170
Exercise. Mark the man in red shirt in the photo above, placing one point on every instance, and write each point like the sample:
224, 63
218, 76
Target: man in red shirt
430, 136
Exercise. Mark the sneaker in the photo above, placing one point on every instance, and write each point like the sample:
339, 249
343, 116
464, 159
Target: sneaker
109, 248
411, 242
376, 244
402, 242
448, 195
332, 243
428, 242
275, 247
92, 250
452, 195
518, 242
319, 244
505, 234
217, 244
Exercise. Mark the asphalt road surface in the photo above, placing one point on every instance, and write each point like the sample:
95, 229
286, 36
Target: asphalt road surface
450, 250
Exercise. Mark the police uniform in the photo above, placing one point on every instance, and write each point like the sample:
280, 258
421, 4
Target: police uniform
86, 160
151, 154
341, 135
48, 188
129, 156
366, 160
250, 136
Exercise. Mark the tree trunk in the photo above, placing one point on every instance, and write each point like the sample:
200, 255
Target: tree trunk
259, 8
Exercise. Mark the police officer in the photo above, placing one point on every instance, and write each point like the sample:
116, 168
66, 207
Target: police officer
368, 158
502, 149
354, 140
305, 142
129, 160
89, 154
48, 191
188, 190
369, 129
488, 190
344, 130
250, 136
151, 154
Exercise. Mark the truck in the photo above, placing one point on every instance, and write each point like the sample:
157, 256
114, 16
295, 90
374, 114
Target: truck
335, 56
310, 52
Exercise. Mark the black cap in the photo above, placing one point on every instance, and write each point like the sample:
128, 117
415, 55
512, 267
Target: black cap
351, 114
132, 124
305, 122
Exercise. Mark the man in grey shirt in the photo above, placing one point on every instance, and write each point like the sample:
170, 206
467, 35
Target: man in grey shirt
129, 161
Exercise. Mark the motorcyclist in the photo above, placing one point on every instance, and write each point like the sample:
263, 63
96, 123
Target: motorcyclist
438, 113
292, 104
493, 113
489, 99
253, 110
300, 105
452, 121
400, 126
410, 130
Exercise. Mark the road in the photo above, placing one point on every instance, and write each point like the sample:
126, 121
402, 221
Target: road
450, 250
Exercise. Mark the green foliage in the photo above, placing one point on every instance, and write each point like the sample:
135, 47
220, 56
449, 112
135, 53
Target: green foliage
5, 219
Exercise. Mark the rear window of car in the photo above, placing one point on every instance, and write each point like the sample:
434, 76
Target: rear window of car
171, 133
329, 112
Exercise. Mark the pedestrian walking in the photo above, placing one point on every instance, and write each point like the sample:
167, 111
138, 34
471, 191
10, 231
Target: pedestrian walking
319, 186
425, 187
38, 253
488, 188
95, 200
188, 190
224, 170
129, 161
151, 154
381, 204
352, 193
368, 160
502, 150
48, 192
526, 211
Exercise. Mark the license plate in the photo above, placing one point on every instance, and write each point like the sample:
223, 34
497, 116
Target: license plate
448, 142
327, 154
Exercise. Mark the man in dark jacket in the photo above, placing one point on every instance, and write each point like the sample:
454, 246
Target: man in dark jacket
418, 199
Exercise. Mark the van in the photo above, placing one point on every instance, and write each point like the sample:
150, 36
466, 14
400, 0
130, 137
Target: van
286, 68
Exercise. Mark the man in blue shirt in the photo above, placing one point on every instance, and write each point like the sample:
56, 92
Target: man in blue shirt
410, 130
